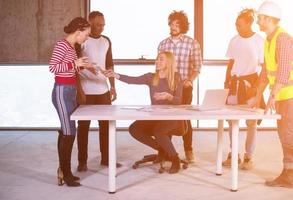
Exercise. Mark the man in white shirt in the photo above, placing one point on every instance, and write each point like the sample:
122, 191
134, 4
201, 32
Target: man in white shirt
96, 87
246, 54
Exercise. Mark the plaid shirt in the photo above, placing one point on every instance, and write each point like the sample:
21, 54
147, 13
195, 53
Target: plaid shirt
284, 57
187, 54
284, 54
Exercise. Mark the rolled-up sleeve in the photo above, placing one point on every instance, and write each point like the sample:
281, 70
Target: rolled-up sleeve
195, 57
284, 56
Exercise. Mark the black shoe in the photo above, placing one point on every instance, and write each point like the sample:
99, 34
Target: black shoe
70, 182
107, 164
75, 178
175, 167
64, 174
82, 167
60, 176
285, 179
162, 156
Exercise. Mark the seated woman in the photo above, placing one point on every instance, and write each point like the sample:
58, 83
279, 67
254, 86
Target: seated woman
165, 89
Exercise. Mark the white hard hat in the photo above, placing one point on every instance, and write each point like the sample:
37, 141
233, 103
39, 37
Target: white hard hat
271, 9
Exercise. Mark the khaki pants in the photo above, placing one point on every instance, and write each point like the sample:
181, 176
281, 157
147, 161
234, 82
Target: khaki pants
285, 130
250, 142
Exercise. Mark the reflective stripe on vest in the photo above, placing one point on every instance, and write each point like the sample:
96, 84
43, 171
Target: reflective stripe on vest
286, 92
272, 75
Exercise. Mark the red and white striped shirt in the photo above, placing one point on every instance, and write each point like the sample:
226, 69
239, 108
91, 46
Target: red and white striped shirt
62, 63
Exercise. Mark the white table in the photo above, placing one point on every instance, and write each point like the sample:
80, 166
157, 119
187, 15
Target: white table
119, 112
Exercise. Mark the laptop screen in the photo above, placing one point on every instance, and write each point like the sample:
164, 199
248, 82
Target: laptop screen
215, 98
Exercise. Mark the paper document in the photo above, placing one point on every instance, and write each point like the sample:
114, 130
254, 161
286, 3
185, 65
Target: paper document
245, 108
133, 107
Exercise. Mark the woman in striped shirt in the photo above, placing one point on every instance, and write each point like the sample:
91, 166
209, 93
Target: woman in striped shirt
64, 64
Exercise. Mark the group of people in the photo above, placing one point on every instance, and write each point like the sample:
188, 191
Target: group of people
84, 60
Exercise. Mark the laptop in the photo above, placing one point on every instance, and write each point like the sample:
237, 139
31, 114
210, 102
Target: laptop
214, 99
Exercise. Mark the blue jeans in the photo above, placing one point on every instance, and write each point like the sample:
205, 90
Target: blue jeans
64, 100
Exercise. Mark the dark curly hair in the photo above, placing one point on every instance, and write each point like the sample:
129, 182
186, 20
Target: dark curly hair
94, 14
182, 19
247, 15
77, 23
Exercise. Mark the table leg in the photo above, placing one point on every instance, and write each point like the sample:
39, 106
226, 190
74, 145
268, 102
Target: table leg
112, 157
220, 147
234, 165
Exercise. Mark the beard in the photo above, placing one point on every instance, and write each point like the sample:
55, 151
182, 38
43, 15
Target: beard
174, 34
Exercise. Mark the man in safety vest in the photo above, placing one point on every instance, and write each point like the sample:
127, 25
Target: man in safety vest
278, 73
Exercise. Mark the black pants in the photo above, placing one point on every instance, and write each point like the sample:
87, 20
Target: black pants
186, 100
156, 134
83, 130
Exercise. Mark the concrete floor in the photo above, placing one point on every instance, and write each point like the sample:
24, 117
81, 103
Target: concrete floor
28, 163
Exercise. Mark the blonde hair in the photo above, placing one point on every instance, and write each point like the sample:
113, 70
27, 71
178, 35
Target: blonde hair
171, 69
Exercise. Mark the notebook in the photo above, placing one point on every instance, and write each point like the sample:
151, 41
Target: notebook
214, 99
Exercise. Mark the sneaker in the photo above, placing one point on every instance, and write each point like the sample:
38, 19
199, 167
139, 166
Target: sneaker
285, 179
189, 157
227, 162
106, 164
82, 167
247, 163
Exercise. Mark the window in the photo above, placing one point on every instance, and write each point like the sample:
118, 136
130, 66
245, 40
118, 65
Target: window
219, 20
137, 27
26, 97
